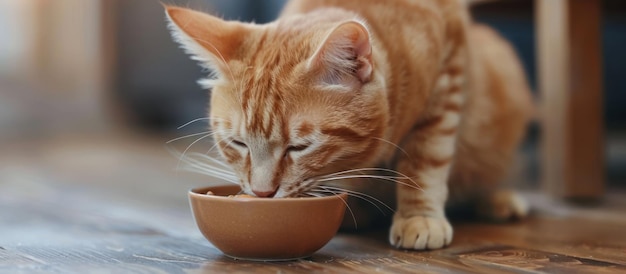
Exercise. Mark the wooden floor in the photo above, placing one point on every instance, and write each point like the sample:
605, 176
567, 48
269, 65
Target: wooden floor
115, 205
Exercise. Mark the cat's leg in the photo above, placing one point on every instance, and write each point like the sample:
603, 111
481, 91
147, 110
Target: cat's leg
482, 176
501, 205
420, 221
499, 113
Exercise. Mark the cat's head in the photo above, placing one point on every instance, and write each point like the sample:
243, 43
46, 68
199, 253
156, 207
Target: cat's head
291, 100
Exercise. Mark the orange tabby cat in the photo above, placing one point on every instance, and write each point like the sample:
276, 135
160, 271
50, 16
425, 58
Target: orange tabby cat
337, 85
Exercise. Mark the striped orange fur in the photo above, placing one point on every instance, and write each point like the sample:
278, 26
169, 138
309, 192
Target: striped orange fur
335, 85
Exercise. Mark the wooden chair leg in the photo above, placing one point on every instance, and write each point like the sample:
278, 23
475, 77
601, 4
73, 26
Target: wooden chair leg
570, 83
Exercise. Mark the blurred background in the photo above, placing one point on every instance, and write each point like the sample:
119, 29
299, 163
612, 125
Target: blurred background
91, 90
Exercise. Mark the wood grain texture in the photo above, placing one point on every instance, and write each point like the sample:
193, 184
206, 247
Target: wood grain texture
123, 209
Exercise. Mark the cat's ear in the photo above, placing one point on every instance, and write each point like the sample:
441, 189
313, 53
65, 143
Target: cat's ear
345, 55
210, 40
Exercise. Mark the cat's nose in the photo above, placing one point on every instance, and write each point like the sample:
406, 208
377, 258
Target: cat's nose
265, 194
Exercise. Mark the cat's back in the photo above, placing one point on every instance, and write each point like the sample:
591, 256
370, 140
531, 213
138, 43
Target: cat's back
386, 17
407, 36
389, 11
404, 29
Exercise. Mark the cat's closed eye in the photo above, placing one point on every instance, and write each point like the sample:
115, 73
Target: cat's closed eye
297, 148
291, 149
239, 143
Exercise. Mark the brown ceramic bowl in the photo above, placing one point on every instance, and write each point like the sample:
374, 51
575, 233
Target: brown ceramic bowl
266, 229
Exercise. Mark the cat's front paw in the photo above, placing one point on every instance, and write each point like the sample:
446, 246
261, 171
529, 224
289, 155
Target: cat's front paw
420, 232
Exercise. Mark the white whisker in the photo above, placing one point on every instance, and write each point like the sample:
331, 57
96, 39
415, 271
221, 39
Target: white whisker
314, 194
345, 202
193, 121
204, 164
361, 196
190, 135
215, 145
203, 172
396, 146
386, 178
209, 170
402, 176
188, 147
190, 158
207, 157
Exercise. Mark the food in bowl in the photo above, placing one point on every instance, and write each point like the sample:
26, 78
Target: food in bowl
233, 196
266, 229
